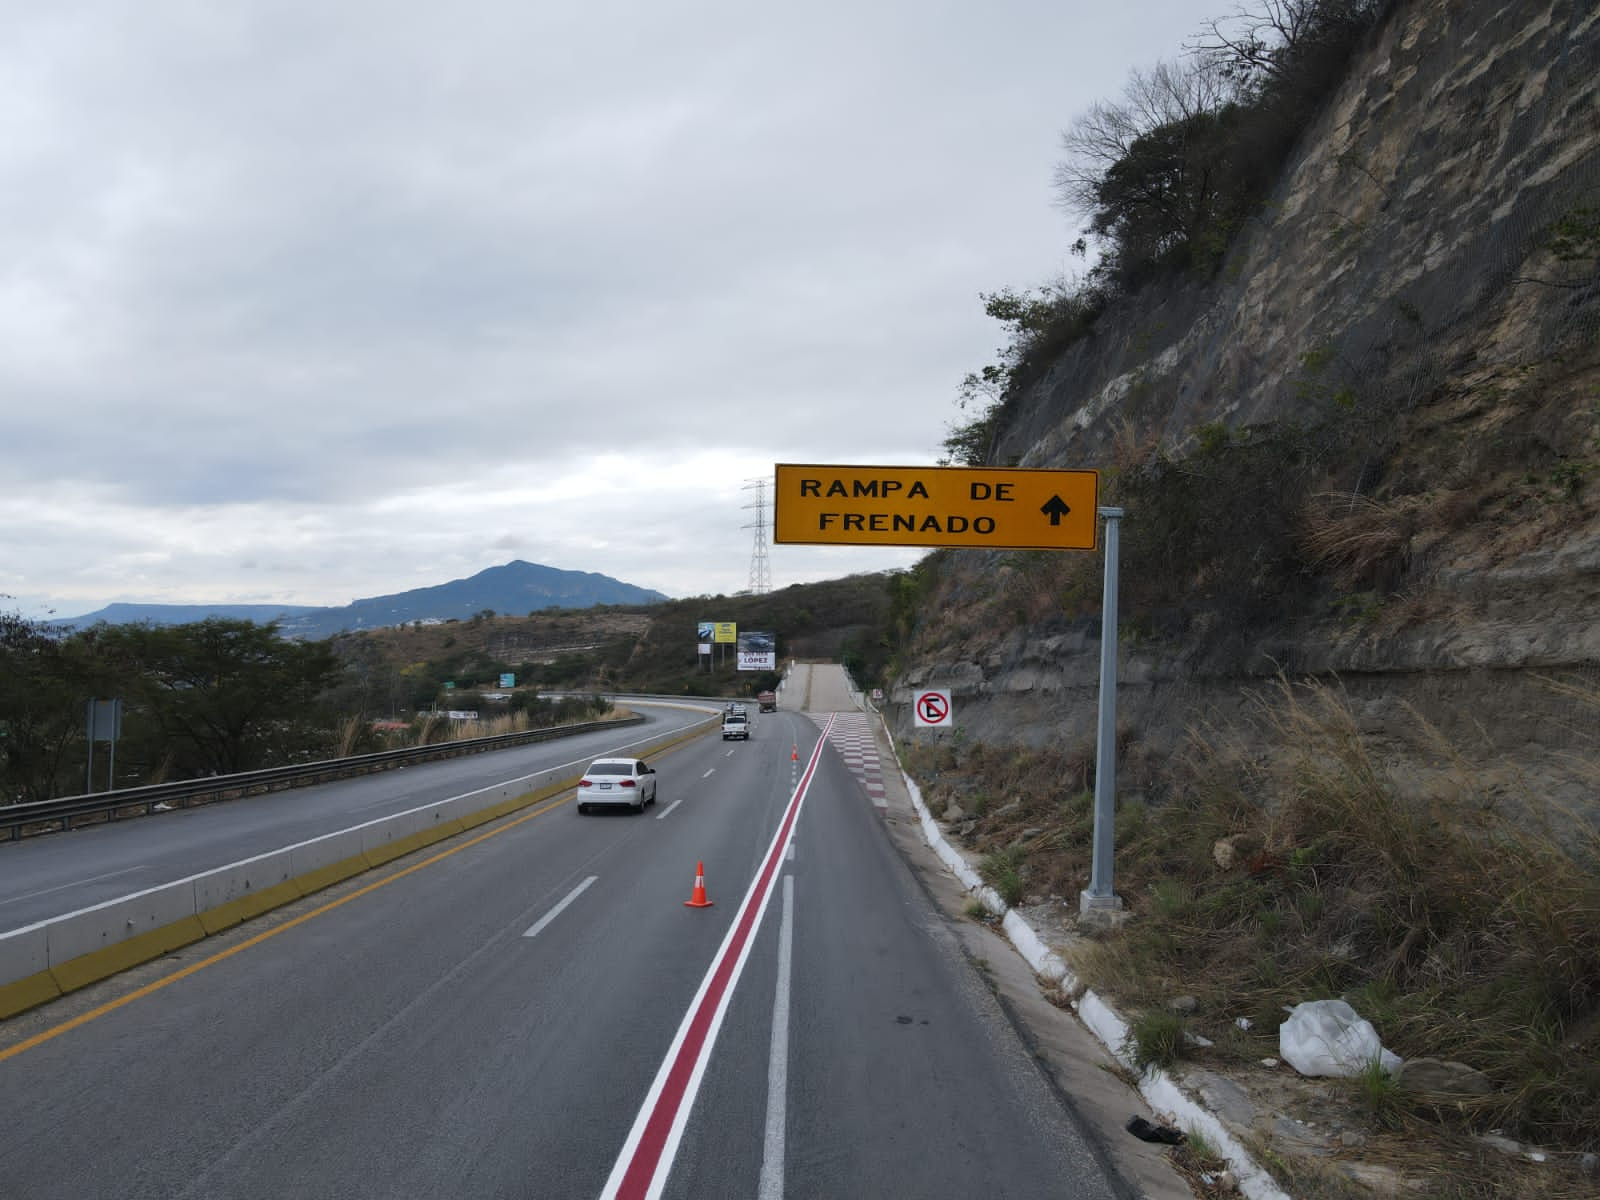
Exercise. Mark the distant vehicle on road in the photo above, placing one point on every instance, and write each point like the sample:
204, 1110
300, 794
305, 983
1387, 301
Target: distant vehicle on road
735, 725
767, 701
611, 782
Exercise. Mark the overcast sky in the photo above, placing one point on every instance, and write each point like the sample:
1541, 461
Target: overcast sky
308, 301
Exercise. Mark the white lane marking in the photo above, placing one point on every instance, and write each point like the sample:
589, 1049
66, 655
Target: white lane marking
664, 815
790, 855
647, 1155
729, 754
255, 858
64, 886
378, 803
709, 773
534, 929
778, 1059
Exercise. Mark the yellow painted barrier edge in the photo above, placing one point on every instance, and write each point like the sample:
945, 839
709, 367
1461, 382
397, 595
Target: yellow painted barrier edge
326, 877
28, 992
45, 986
504, 808
377, 856
141, 948
234, 912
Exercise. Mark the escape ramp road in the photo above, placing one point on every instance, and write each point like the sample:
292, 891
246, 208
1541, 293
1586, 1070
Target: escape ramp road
488, 1022
44, 877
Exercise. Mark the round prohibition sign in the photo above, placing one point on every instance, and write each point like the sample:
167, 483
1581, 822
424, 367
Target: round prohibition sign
933, 707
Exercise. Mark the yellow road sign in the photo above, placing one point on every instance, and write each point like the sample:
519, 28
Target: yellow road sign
1011, 508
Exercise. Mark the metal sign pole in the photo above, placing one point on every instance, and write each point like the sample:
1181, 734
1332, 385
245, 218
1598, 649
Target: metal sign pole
88, 771
988, 507
1100, 894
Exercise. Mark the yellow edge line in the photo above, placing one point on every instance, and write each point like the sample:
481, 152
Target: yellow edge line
95, 1014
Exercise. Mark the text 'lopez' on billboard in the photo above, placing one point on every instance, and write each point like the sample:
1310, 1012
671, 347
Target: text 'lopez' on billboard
758, 652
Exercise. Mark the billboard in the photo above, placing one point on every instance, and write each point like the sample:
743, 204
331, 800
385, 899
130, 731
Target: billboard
727, 632
703, 633
758, 652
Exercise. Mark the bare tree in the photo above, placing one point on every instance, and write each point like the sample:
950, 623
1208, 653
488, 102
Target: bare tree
1168, 94
1263, 41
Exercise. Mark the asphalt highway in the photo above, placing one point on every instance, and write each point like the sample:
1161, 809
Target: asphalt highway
43, 877
532, 1010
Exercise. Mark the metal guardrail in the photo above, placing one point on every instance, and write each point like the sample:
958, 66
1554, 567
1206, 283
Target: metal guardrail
61, 812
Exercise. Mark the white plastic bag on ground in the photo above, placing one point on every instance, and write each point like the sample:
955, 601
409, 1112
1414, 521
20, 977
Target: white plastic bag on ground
1328, 1037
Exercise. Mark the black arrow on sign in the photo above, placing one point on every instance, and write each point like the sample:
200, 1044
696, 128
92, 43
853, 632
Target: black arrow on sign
1055, 508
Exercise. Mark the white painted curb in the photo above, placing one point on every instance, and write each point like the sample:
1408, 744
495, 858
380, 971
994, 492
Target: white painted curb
1155, 1085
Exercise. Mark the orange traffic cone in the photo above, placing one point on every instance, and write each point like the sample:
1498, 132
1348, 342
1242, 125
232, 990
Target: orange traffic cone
794, 755
698, 898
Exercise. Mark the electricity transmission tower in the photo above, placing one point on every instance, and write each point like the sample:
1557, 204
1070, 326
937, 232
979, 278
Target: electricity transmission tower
760, 566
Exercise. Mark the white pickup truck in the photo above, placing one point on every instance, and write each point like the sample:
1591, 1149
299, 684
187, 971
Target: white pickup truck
735, 725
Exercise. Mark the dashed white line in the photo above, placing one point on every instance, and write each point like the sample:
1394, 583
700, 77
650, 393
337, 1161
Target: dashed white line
664, 815
534, 929
244, 862
778, 1059
709, 773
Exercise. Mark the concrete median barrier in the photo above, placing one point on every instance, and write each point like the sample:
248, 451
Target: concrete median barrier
25, 965
227, 884
24, 951
225, 897
41, 962
237, 911
325, 861
407, 832
525, 793
97, 942
120, 920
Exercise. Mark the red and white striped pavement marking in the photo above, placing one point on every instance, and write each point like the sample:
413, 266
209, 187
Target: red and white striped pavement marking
641, 1169
853, 737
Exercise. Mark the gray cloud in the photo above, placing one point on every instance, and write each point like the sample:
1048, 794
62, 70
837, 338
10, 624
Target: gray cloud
364, 296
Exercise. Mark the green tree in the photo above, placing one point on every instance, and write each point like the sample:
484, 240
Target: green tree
1039, 325
47, 678
1167, 174
1168, 202
226, 695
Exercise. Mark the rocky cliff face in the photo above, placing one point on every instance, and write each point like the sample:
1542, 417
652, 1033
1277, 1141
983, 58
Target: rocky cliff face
1429, 263
1406, 243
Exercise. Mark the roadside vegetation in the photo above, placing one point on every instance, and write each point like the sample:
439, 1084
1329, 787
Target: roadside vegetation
222, 696
1463, 921
214, 698
1164, 178
839, 620
1292, 854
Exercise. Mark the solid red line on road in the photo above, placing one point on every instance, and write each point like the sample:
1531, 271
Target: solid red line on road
652, 1143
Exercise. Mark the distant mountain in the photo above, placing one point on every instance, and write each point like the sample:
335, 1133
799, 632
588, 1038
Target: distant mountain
181, 614
515, 589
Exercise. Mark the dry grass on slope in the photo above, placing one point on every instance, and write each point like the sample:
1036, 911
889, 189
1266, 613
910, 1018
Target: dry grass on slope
1459, 934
